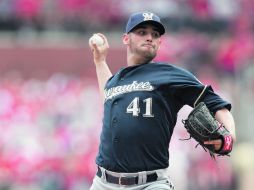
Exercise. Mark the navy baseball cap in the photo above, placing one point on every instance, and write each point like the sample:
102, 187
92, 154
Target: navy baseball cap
137, 19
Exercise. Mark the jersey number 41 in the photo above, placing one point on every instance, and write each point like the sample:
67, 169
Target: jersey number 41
134, 108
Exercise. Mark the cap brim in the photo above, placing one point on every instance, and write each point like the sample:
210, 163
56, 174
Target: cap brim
160, 27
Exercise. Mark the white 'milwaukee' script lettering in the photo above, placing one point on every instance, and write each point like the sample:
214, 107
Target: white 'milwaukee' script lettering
134, 86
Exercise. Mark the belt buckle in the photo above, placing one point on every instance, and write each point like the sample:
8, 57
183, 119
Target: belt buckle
119, 180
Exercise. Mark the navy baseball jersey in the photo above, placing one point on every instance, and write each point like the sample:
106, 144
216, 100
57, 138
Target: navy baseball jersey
140, 112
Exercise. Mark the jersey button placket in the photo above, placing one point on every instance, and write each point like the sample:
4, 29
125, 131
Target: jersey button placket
114, 122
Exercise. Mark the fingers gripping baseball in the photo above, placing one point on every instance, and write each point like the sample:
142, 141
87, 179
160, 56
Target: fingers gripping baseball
96, 40
99, 45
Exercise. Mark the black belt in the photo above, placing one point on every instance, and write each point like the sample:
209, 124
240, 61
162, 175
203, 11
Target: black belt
126, 180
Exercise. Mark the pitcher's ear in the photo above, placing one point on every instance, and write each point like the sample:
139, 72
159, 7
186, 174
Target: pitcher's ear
126, 39
159, 44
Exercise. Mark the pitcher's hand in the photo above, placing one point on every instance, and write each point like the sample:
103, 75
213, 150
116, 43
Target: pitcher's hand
217, 143
100, 52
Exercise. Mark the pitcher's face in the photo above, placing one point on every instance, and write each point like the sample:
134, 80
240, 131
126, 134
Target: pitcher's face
144, 41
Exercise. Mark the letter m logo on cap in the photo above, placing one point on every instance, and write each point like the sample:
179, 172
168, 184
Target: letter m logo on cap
148, 16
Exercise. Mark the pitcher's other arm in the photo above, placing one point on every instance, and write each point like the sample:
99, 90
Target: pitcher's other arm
224, 116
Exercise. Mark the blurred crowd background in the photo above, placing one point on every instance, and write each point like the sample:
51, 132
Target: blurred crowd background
50, 109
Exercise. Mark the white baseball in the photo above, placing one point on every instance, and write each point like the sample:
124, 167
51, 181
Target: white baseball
96, 39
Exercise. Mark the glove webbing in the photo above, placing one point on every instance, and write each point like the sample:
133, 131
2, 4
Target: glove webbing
194, 105
199, 144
